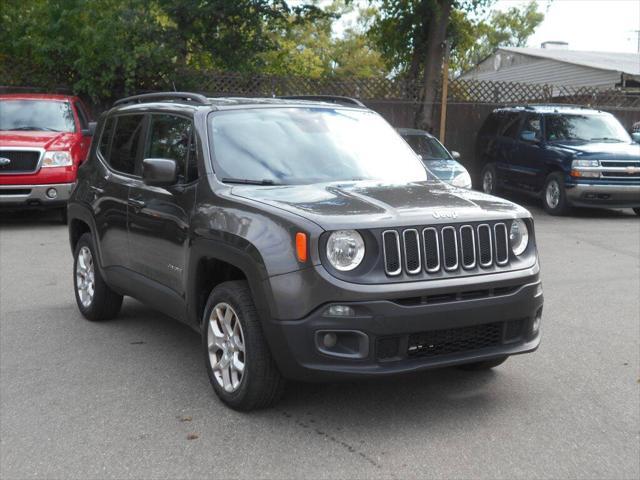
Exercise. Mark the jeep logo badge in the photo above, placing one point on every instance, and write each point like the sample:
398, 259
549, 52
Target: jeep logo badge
4, 161
444, 214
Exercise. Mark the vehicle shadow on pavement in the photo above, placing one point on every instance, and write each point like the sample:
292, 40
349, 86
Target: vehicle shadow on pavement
415, 400
29, 218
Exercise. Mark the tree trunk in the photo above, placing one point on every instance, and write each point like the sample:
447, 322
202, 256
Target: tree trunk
438, 24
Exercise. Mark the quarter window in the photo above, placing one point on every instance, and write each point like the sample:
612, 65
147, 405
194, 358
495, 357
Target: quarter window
126, 143
105, 138
172, 137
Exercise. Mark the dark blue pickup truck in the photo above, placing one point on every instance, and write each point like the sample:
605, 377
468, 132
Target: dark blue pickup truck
567, 156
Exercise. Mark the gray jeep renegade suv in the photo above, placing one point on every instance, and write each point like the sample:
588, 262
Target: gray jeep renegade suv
303, 239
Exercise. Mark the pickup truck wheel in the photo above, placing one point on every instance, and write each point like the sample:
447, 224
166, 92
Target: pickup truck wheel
484, 365
238, 361
489, 179
95, 299
637, 211
554, 196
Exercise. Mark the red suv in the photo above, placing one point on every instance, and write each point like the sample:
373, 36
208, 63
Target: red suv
43, 140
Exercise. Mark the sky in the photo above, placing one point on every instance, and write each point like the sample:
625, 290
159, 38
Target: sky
592, 25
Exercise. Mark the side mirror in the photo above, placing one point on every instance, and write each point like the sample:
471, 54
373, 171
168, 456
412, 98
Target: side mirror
635, 136
528, 136
455, 155
159, 172
88, 132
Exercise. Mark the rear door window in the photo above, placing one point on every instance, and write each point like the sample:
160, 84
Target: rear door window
511, 126
125, 147
172, 137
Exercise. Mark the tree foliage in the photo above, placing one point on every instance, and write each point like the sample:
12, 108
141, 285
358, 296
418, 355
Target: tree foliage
474, 41
109, 48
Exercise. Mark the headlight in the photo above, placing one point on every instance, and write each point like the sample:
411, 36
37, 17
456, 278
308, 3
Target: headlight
57, 159
518, 236
345, 249
585, 163
463, 180
582, 168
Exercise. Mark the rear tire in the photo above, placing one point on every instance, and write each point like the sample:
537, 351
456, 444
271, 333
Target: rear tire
489, 180
96, 301
637, 211
484, 365
554, 195
239, 364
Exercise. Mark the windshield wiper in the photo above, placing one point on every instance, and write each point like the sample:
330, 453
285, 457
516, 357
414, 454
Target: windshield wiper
30, 127
248, 181
606, 139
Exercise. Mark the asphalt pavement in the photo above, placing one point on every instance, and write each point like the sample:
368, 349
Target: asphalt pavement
130, 398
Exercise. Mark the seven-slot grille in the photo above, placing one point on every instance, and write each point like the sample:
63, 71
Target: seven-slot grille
447, 248
20, 161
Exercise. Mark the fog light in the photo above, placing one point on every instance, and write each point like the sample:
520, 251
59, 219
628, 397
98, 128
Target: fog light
52, 193
329, 340
535, 326
340, 311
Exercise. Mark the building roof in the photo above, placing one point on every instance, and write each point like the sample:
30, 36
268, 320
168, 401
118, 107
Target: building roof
628, 63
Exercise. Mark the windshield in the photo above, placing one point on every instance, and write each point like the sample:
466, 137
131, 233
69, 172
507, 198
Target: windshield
429, 148
36, 115
587, 128
309, 145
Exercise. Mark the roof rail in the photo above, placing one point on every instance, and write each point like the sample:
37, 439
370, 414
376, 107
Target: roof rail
568, 105
160, 96
326, 98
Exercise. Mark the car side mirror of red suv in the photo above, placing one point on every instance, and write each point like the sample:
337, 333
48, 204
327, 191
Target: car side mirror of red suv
88, 132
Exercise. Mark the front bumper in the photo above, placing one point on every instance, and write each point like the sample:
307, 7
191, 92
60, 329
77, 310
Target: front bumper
35, 195
381, 337
604, 195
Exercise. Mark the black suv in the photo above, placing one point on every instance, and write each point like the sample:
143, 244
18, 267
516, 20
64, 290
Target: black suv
567, 156
303, 239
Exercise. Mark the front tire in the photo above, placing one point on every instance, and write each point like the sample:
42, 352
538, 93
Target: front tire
239, 364
554, 195
96, 301
484, 365
489, 178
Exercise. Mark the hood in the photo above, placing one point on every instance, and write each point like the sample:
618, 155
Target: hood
46, 140
378, 205
601, 150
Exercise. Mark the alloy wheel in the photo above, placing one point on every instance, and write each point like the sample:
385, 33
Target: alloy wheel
85, 277
487, 182
552, 194
225, 340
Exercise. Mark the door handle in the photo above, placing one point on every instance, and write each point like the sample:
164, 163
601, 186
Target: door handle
96, 189
137, 204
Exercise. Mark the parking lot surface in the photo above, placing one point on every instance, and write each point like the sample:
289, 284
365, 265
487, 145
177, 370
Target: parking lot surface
130, 398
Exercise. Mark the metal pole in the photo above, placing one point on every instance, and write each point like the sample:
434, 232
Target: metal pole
445, 90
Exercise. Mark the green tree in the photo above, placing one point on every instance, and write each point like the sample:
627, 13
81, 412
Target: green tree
309, 48
110, 48
474, 41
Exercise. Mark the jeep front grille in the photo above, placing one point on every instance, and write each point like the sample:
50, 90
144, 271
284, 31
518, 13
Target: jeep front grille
448, 248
